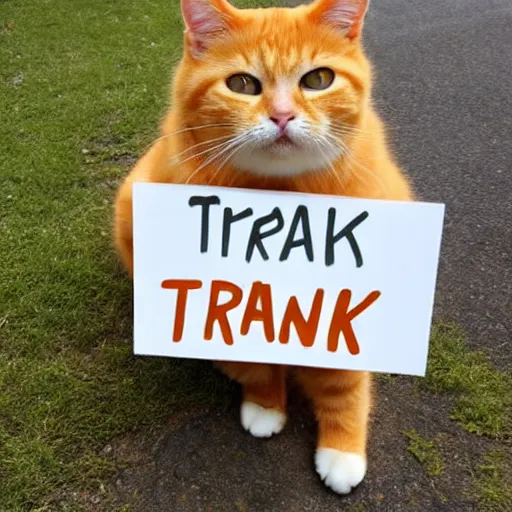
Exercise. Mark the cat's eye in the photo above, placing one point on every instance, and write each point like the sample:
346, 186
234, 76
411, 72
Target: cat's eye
318, 79
244, 84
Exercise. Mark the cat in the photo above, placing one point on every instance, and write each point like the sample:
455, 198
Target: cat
278, 98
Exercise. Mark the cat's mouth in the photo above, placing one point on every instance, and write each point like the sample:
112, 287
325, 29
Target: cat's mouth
284, 139
282, 143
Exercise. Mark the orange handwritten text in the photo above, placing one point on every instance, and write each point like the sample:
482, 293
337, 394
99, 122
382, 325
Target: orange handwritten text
219, 312
182, 286
306, 329
259, 292
259, 308
342, 320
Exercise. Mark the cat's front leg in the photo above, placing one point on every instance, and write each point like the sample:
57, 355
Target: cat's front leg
341, 400
263, 409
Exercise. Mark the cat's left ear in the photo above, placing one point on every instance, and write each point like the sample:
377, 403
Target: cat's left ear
205, 20
347, 16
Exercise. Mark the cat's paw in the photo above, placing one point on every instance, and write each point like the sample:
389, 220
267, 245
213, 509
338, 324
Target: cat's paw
341, 471
261, 422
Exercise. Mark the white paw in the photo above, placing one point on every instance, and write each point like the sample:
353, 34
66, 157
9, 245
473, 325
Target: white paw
341, 471
261, 422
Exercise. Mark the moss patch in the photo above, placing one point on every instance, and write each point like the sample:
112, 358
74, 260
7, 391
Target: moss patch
493, 482
385, 378
356, 507
425, 452
483, 403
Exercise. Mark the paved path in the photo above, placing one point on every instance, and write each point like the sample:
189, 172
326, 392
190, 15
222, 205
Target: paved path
445, 86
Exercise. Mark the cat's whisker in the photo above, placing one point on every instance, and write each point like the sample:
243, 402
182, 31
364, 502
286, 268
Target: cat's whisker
189, 129
226, 146
337, 142
353, 162
201, 153
350, 127
199, 127
230, 155
204, 152
321, 143
372, 175
213, 159
330, 147
229, 146
214, 175
352, 137
221, 146
351, 133
190, 148
342, 131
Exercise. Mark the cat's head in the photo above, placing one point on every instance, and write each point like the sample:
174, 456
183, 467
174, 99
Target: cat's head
285, 87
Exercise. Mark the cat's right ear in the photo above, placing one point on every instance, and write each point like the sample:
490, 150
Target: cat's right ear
204, 21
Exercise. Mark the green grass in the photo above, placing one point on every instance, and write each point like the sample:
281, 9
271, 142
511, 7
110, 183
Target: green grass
483, 397
493, 482
426, 453
355, 507
82, 88
83, 85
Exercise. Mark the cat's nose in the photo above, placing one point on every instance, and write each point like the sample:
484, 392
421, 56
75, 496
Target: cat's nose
282, 120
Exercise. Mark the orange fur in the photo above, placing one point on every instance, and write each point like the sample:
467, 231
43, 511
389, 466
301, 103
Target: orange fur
276, 43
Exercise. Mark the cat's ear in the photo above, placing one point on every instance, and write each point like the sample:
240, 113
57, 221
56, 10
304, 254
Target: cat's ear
347, 16
204, 20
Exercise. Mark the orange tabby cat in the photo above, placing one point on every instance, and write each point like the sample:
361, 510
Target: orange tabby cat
278, 99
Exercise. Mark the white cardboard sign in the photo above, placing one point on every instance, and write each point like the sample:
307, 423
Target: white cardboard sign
269, 277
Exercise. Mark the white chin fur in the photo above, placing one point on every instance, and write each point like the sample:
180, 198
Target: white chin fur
341, 471
290, 162
309, 152
261, 422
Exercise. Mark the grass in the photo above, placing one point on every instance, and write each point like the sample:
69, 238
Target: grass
493, 482
483, 398
426, 453
355, 507
82, 89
